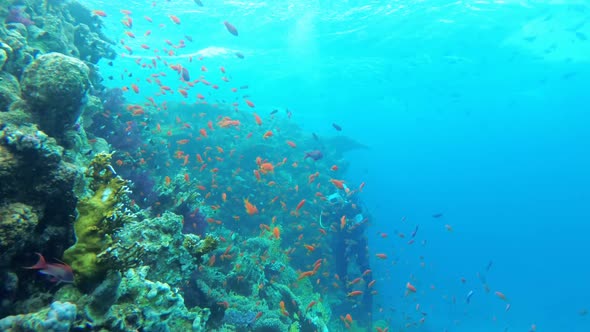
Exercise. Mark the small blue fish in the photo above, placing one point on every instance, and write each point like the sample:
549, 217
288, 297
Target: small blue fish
468, 298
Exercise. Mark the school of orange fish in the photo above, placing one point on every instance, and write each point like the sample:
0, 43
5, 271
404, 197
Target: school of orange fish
206, 146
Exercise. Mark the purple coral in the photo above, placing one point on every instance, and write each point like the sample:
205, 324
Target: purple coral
195, 222
17, 14
113, 100
143, 186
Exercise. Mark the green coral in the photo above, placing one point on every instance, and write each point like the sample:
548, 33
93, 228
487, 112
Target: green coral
97, 220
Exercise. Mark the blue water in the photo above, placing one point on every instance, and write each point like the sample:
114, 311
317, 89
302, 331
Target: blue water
474, 109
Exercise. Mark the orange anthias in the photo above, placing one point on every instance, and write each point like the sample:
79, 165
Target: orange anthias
338, 183
266, 168
250, 208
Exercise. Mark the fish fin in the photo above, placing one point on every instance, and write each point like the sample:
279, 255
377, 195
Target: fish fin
41, 264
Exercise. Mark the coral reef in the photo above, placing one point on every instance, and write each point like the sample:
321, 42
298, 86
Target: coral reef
17, 225
9, 88
171, 255
55, 88
37, 187
131, 301
56, 318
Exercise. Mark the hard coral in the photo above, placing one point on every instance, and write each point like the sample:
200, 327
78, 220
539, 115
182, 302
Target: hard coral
57, 318
239, 318
55, 87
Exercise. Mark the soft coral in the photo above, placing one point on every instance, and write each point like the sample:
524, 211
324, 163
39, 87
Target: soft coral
17, 14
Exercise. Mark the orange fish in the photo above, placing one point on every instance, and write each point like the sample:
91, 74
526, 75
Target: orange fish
276, 232
348, 318
311, 177
100, 13
309, 247
338, 183
182, 141
361, 187
257, 119
310, 305
292, 144
342, 222
211, 260
354, 293
266, 168
382, 256
175, 19
186, 177
203, 133
249, 103
298, 207
250, 208
355, 281
500, 295
267, 134
334, 168
283, 311
135, 87
167, 179
410, 287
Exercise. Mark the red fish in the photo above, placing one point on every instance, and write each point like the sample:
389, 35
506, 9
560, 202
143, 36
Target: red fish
175, 19
59, 272
100, 13
232, 29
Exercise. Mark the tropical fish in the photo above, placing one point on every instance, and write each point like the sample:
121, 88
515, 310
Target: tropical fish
174, 19
337, 127
315, 155
100, 13
59, 272
250, 208
230, 28
468, 297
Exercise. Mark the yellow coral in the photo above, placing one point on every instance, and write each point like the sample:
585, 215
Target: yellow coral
92, 225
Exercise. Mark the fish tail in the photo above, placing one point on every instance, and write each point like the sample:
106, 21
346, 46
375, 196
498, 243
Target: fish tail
41, 264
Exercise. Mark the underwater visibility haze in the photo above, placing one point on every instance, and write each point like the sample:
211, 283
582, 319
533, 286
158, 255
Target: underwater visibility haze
200, 165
